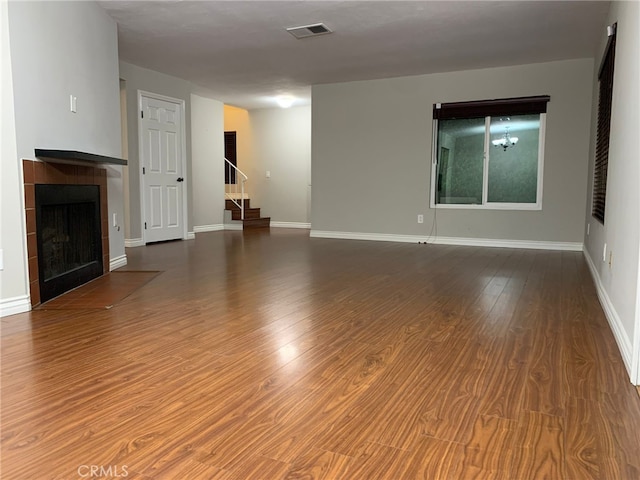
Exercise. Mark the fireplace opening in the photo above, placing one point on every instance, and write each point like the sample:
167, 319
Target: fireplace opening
68, 236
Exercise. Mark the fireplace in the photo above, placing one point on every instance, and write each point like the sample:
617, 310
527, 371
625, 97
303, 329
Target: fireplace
46, 254
68, 237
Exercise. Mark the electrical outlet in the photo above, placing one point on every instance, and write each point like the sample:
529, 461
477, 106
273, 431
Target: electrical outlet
420, 218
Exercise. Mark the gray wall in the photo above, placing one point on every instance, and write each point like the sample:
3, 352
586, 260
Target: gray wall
282, 145
207, 143
137, 78
621, 231
57, 49
276, 140
371, 153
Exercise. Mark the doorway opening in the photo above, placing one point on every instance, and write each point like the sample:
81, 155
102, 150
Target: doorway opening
231, 154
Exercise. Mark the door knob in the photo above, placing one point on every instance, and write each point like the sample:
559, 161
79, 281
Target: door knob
180, 179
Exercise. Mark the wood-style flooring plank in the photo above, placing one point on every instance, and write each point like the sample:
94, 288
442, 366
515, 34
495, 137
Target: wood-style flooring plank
283, 356
539, 450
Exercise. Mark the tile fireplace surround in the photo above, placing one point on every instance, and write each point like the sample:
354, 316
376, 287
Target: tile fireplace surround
58, 173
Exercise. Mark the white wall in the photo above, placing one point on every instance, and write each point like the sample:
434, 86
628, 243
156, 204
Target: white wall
14, 281
207, 147
371, 154
618, 283
58, 49
282, 146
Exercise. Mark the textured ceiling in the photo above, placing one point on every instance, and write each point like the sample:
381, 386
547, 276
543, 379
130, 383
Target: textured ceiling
241, 53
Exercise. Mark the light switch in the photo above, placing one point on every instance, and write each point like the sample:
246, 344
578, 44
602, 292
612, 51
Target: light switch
268, 173
73, 104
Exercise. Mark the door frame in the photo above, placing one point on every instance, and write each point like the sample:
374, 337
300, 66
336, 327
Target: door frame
183, 153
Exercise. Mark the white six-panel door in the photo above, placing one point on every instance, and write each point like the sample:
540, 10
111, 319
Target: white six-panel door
162, 169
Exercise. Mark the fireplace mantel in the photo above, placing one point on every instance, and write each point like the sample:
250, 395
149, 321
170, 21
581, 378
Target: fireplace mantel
72, 156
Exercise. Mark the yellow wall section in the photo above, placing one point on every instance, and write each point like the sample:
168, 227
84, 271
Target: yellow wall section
237, 120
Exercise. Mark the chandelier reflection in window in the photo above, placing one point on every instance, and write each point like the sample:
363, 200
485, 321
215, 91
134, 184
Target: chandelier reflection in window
506, 140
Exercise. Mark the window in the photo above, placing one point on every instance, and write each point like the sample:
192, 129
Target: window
605, 96
489, 154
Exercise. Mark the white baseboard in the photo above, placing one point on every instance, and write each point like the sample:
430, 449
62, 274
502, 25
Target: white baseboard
470, 242
15, 305
291, 225
190, 236
117, 262
133, 242
233, 226
208, 228
619, 333
502, 243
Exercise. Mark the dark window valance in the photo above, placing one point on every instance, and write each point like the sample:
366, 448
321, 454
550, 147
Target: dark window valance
485, 108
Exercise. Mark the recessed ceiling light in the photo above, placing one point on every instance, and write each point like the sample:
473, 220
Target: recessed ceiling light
305, 31
285, 101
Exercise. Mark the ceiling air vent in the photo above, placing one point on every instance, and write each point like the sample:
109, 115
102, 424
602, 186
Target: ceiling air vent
309, 30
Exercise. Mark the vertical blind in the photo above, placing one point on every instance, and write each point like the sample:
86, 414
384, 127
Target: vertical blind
605, 95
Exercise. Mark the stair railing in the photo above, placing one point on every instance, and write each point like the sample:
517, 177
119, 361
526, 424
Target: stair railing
239, 178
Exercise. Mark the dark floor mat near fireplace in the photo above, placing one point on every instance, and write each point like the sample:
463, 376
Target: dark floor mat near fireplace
102, 293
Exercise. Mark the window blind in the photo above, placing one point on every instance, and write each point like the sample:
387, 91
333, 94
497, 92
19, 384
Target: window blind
605, 96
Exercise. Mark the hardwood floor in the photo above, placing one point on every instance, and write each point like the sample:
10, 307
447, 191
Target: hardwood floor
273, 355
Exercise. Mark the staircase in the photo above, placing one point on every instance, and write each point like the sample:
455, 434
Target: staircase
252, 218
237, 202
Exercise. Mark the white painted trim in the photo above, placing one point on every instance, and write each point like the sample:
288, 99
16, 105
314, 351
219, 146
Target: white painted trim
542, 132
635, 355
133, 242
233, 226
471, 242
190, 236
505, 243
117, 262
183, 107
380, 237
623, 341
434, 162
291, 225
15, 305
485, 160
208, 228
487, 206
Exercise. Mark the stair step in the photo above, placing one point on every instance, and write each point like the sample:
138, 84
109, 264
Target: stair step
248, 213
229, 205
255, 223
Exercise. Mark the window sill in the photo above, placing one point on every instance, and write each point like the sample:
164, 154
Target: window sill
488, 206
